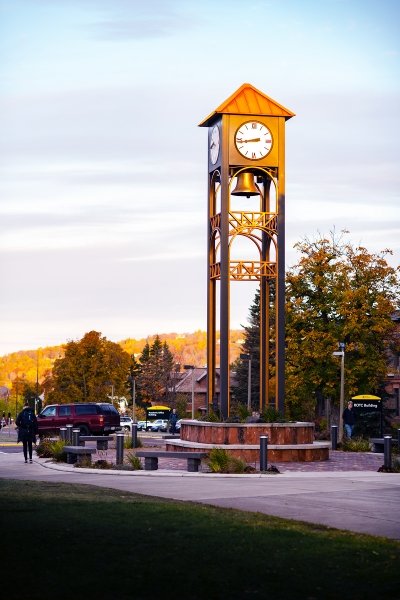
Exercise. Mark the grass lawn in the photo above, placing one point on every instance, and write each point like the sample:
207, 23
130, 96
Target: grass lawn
78, 542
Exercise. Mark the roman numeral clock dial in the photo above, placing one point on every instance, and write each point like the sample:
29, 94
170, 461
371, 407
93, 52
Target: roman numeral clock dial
253, 140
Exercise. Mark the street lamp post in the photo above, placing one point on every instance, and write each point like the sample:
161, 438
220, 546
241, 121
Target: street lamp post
16, 399
133, 399
191, 367
341, 403
248, 358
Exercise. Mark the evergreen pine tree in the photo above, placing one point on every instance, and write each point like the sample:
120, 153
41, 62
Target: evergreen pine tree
156, 364
251, 347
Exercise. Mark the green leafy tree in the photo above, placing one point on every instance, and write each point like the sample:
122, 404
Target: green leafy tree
88, 370
336, 293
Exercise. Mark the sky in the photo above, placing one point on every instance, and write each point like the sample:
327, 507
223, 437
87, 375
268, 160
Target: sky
103, 168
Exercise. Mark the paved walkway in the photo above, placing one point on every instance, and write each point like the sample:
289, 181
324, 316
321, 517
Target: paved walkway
357, 499
339, 461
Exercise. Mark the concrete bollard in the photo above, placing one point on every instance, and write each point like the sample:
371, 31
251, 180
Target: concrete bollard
387, 451
134, 435
69, 433
63, 434
334, 434
75, 437
120, 449
263, 453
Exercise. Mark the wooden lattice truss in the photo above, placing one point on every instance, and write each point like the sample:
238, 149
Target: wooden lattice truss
258, 227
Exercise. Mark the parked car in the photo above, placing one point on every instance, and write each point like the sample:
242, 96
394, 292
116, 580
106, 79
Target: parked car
159, 425
143, 426
92, 418
126, 423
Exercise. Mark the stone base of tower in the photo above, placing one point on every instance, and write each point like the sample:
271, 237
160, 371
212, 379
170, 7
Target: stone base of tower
287, 442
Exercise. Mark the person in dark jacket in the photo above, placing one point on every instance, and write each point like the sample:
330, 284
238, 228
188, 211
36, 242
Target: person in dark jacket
349, 419
27, 430
172, 421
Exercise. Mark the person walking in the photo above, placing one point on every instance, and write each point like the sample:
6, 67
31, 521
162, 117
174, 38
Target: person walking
173, 420
349, 419
27, 430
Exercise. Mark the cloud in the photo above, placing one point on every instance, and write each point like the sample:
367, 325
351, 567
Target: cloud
136, 20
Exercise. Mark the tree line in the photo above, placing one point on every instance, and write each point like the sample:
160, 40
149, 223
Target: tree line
336, 293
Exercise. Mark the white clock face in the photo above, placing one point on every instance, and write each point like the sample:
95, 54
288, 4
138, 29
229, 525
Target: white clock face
253, 140
214, 144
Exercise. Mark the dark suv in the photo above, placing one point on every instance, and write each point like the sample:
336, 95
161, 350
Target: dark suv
92, 418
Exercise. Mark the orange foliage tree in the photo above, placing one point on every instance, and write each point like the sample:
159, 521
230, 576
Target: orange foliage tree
337, 293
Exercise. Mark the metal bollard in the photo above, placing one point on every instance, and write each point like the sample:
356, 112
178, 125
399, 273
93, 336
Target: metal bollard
69, 433
263, 453
134, 435
63, 434
75, 437
387, 450
334, 432
120, 448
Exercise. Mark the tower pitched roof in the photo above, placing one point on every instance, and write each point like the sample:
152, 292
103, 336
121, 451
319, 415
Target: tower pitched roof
248, 100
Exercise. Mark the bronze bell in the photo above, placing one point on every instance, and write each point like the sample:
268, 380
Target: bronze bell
245, 185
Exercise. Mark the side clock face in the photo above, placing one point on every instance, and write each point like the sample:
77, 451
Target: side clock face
214, 144
253, 140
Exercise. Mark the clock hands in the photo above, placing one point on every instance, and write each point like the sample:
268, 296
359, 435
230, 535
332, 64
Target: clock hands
247, 141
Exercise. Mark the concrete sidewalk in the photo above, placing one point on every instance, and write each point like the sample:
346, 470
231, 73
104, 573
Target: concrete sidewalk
363, 501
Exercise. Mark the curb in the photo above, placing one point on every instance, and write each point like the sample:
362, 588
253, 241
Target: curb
175, 473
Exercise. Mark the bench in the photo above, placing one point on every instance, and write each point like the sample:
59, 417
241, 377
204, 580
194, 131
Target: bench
151, 458
378, 444
78, 453
101, 440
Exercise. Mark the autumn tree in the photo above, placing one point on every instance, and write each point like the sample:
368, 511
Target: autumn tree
156, 366
89, 370
336, 293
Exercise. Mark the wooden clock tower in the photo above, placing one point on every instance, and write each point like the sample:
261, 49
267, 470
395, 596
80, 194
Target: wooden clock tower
246, 163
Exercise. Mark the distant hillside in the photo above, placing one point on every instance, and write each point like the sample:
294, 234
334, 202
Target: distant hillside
188, 348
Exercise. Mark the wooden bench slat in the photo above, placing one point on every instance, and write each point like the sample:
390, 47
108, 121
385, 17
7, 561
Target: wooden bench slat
378, 444
79, 450
95, 438
151, 458
101, 440
171, 454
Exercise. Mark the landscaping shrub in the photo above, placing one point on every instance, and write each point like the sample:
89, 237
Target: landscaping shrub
48, 448
271, 415
57, 450
128, 442
321, 429
43, 448
221, 461
357, 444
134, 461
86, 463
212, 417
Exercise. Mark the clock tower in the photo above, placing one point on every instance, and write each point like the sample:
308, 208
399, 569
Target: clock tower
246, 164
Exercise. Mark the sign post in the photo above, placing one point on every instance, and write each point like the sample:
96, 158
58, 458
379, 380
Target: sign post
367, 405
